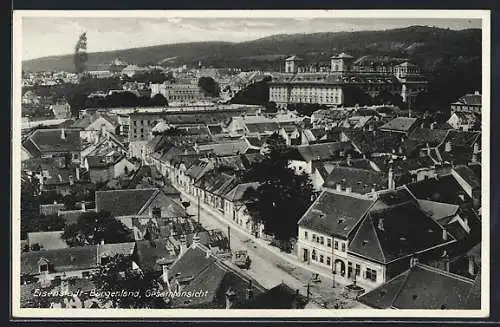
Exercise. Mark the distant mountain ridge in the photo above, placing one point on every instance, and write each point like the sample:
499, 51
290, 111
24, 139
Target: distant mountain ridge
429, 47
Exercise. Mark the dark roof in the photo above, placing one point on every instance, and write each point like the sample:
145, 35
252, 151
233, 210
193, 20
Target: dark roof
433, 137
443, 189
60, 260
439, 211
359, 180
462, 138
87, 120
470, 99
216, 182
468, 175
52, 140
236, 194
395, 232
401, 166
191, 263
281, 296
123, 202
421, 287
375, 141
400, 124
147, 253
476, 168
215, 129
262, 127
335, 214
322, 151
103, 161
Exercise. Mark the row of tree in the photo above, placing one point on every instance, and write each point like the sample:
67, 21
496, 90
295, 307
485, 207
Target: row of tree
125, 99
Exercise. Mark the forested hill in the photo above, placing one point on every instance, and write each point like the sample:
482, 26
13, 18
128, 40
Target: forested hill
429, 47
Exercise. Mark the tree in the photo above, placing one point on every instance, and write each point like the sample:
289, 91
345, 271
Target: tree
159, 100
118, 275
282, 196
271, 107
94, 227
306, 109
209, 86
41, 223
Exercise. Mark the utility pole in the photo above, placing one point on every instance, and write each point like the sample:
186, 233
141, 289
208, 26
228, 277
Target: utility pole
198, 209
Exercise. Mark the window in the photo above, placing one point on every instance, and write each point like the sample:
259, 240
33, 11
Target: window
357, 271
313, 255
85, 274
371, 274
322, 240
44, 267
314, 237
328, 260
349, 269
321, 258
305, 235
104, 260
336, 245
343, 247
329, 242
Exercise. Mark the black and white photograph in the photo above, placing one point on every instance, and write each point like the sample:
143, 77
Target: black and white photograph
328, 163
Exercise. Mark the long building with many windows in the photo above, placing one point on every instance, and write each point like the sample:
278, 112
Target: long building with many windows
343, 82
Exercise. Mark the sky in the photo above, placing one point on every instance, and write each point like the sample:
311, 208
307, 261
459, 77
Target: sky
47, 36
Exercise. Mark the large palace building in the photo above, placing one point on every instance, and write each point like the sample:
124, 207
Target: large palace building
345, 77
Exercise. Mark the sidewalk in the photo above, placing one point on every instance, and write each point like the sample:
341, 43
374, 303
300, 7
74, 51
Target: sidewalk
266, 245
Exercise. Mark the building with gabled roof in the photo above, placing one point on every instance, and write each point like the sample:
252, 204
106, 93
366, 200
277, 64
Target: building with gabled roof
54, 142
403, 125
423, 287
368, 239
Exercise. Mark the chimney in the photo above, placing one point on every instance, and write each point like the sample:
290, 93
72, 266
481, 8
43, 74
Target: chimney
196, 241
477, 93
77, 173
446, 262
208, 253
390, 177
339, 187
348, 190
471, 265
63, 134
433, 124
183, 245
381, 224
83, 206
413, 262
349, 159
102, 242
71, 180
445, 235
447, 146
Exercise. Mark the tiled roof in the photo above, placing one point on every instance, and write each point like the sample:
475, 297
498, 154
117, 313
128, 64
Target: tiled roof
471, 99
258, 128
215, 129
335, 214
47, 240
463, 139
60, 260
236, 194
400, 124
395, 232
191, 263
281, 296
322, 151
400, 166
52, 140
111, 250
235, 163
225, 148
374, 142
147, 253
359, 180
216, 182
468, 175
424, 287
444, 189
433, 137
103, 161
123, 202
438, 210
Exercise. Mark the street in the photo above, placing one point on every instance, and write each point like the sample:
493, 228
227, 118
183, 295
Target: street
269, 269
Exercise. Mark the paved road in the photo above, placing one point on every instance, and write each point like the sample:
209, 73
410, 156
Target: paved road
266, 267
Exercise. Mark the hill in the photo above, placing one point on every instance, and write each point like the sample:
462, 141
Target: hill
424, 45
450, 59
